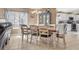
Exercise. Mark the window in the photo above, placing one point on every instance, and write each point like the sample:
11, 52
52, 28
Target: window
45, 18
17, 18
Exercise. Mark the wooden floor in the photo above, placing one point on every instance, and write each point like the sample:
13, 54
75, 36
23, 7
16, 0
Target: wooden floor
15, 43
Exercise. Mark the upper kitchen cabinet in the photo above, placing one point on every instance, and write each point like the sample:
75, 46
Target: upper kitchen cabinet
61, 17
65, 16
72, 16
77, 18
1, 13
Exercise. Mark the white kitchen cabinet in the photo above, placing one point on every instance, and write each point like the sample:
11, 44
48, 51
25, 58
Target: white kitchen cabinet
77, 24
77, 27
72, 15
68, 27
65, 17
77, 17
61, 17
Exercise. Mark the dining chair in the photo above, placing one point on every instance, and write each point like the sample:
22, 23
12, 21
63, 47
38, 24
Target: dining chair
44, 35
51, 28
24, 31
34, 32
61, 32
52, 31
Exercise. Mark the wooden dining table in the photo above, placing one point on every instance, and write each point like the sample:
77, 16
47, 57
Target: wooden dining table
51, 29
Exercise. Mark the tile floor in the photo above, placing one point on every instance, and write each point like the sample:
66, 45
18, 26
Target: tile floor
15, 43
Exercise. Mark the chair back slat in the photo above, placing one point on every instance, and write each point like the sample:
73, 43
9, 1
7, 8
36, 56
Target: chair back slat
34, 28
24, 28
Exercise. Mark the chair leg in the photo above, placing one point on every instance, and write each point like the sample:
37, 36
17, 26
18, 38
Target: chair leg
52, 39
57, 42
22, 41
31, 38
40, 38
64, 42
48, 40
27, 38
22, 37
37, 39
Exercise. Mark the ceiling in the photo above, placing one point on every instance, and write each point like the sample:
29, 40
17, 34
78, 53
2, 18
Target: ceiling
17, 9
73, 10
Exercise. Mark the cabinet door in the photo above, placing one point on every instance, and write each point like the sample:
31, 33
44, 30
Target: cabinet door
77, 17
68, 27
